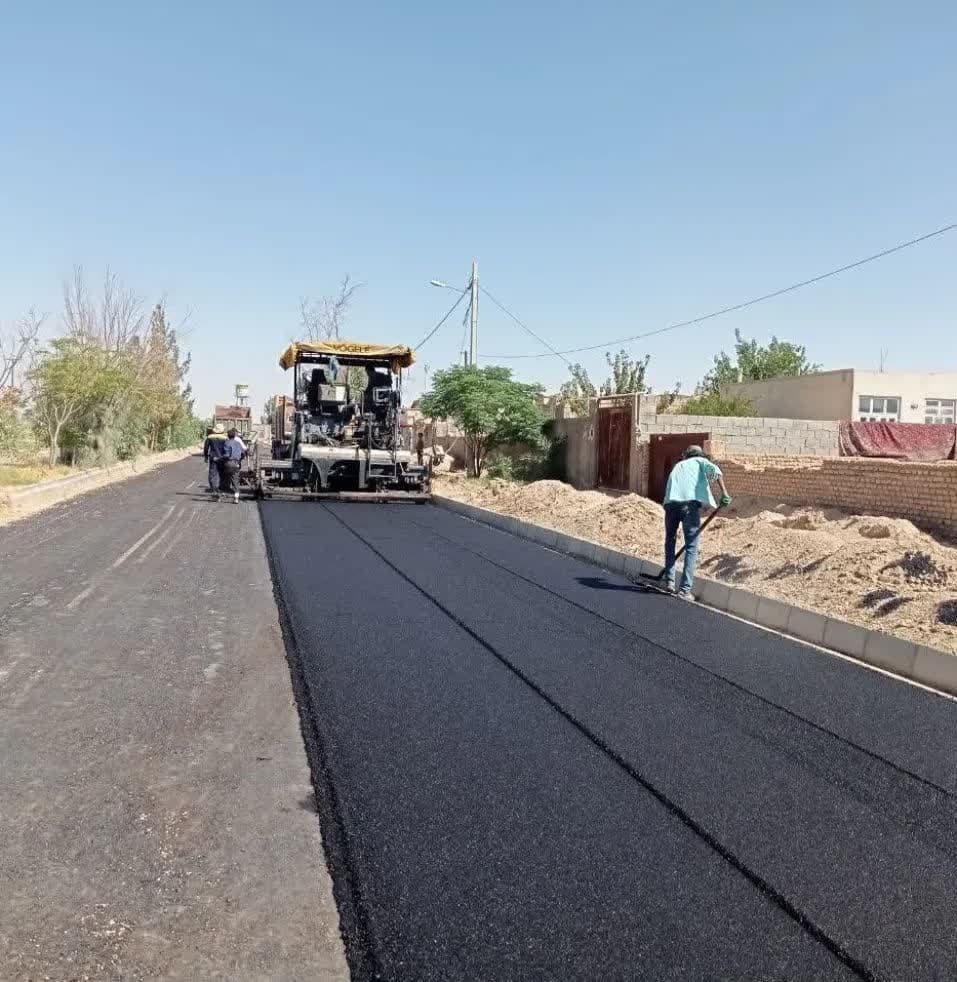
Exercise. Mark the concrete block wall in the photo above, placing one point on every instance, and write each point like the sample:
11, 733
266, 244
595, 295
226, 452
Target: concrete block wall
760, 435
730, 436
926, 494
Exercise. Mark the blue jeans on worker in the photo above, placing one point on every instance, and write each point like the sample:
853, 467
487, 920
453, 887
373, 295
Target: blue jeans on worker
213, 474
687, 515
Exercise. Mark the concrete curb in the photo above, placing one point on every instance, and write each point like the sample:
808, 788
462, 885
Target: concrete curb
22, 501
928, 666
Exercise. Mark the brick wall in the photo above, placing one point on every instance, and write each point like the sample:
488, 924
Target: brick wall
924, 493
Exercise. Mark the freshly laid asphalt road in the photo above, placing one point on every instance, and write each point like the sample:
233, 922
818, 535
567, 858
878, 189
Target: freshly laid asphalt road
526, 768
529, 769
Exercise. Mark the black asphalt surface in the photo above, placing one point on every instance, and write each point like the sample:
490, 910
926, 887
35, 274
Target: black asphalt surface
529, 769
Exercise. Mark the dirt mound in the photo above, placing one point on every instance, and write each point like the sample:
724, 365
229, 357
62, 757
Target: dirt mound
808, 522
898, 529
883, 573
536, 499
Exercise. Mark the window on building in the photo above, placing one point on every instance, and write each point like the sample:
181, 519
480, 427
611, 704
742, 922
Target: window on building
940, 410
878, 409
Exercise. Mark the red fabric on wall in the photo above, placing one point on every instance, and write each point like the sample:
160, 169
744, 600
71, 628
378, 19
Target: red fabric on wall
901, 441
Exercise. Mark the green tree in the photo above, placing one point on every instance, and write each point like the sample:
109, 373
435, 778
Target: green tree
155, 400
576, 392
71, 380
753, 362
164, 394
715, 404
627, 374
115, 383
14, 430
490, 407
185, 431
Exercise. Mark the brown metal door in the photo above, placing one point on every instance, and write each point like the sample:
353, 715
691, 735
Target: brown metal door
666, 451
614, 447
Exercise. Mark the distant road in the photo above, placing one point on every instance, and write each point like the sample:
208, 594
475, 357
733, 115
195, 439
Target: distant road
530, 770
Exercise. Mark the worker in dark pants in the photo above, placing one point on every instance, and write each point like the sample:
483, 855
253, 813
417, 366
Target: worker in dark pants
420, 447
213, 453
233, 452
688, 489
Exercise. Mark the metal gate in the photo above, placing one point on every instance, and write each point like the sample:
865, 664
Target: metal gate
666, 451
614, 445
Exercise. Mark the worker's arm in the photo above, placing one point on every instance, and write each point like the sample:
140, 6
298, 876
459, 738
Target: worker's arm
716, 477
725, 499
205, 449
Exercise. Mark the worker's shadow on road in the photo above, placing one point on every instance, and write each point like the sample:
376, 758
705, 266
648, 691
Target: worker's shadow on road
600, 583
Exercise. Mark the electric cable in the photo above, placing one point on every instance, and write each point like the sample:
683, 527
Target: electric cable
525, 328
747, 303
448, 314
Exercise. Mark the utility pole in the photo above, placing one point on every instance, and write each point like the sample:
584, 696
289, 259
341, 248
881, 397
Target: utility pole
473, 336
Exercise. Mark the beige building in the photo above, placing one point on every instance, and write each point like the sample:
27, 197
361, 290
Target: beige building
907, 397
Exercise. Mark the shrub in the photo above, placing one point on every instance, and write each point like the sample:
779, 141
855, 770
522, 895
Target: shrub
500, 465
16, 437
714, 404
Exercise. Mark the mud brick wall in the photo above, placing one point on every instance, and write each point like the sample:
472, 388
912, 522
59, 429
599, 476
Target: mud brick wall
924, 493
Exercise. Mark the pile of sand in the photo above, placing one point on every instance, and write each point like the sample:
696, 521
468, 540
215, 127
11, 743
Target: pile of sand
882, 573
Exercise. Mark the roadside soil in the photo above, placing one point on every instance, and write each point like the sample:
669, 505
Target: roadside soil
882, 573
20, 475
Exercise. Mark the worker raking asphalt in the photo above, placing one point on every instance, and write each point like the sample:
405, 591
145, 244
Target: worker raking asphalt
527, 768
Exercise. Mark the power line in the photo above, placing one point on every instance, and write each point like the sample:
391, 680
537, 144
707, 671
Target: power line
527, 329
740, 306
448, 314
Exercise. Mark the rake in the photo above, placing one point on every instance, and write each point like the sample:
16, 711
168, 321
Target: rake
657, 581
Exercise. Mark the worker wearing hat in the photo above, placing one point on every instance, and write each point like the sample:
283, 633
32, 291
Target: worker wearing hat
213, 453
234, 450
687, 491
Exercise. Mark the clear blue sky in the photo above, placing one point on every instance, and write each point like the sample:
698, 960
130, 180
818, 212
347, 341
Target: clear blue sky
612, 169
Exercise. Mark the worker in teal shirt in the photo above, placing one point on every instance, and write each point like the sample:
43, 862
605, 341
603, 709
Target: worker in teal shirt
688, 488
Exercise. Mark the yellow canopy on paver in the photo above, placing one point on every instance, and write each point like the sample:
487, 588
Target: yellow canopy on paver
398, 355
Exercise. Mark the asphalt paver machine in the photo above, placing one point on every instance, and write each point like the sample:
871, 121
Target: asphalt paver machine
341, 436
